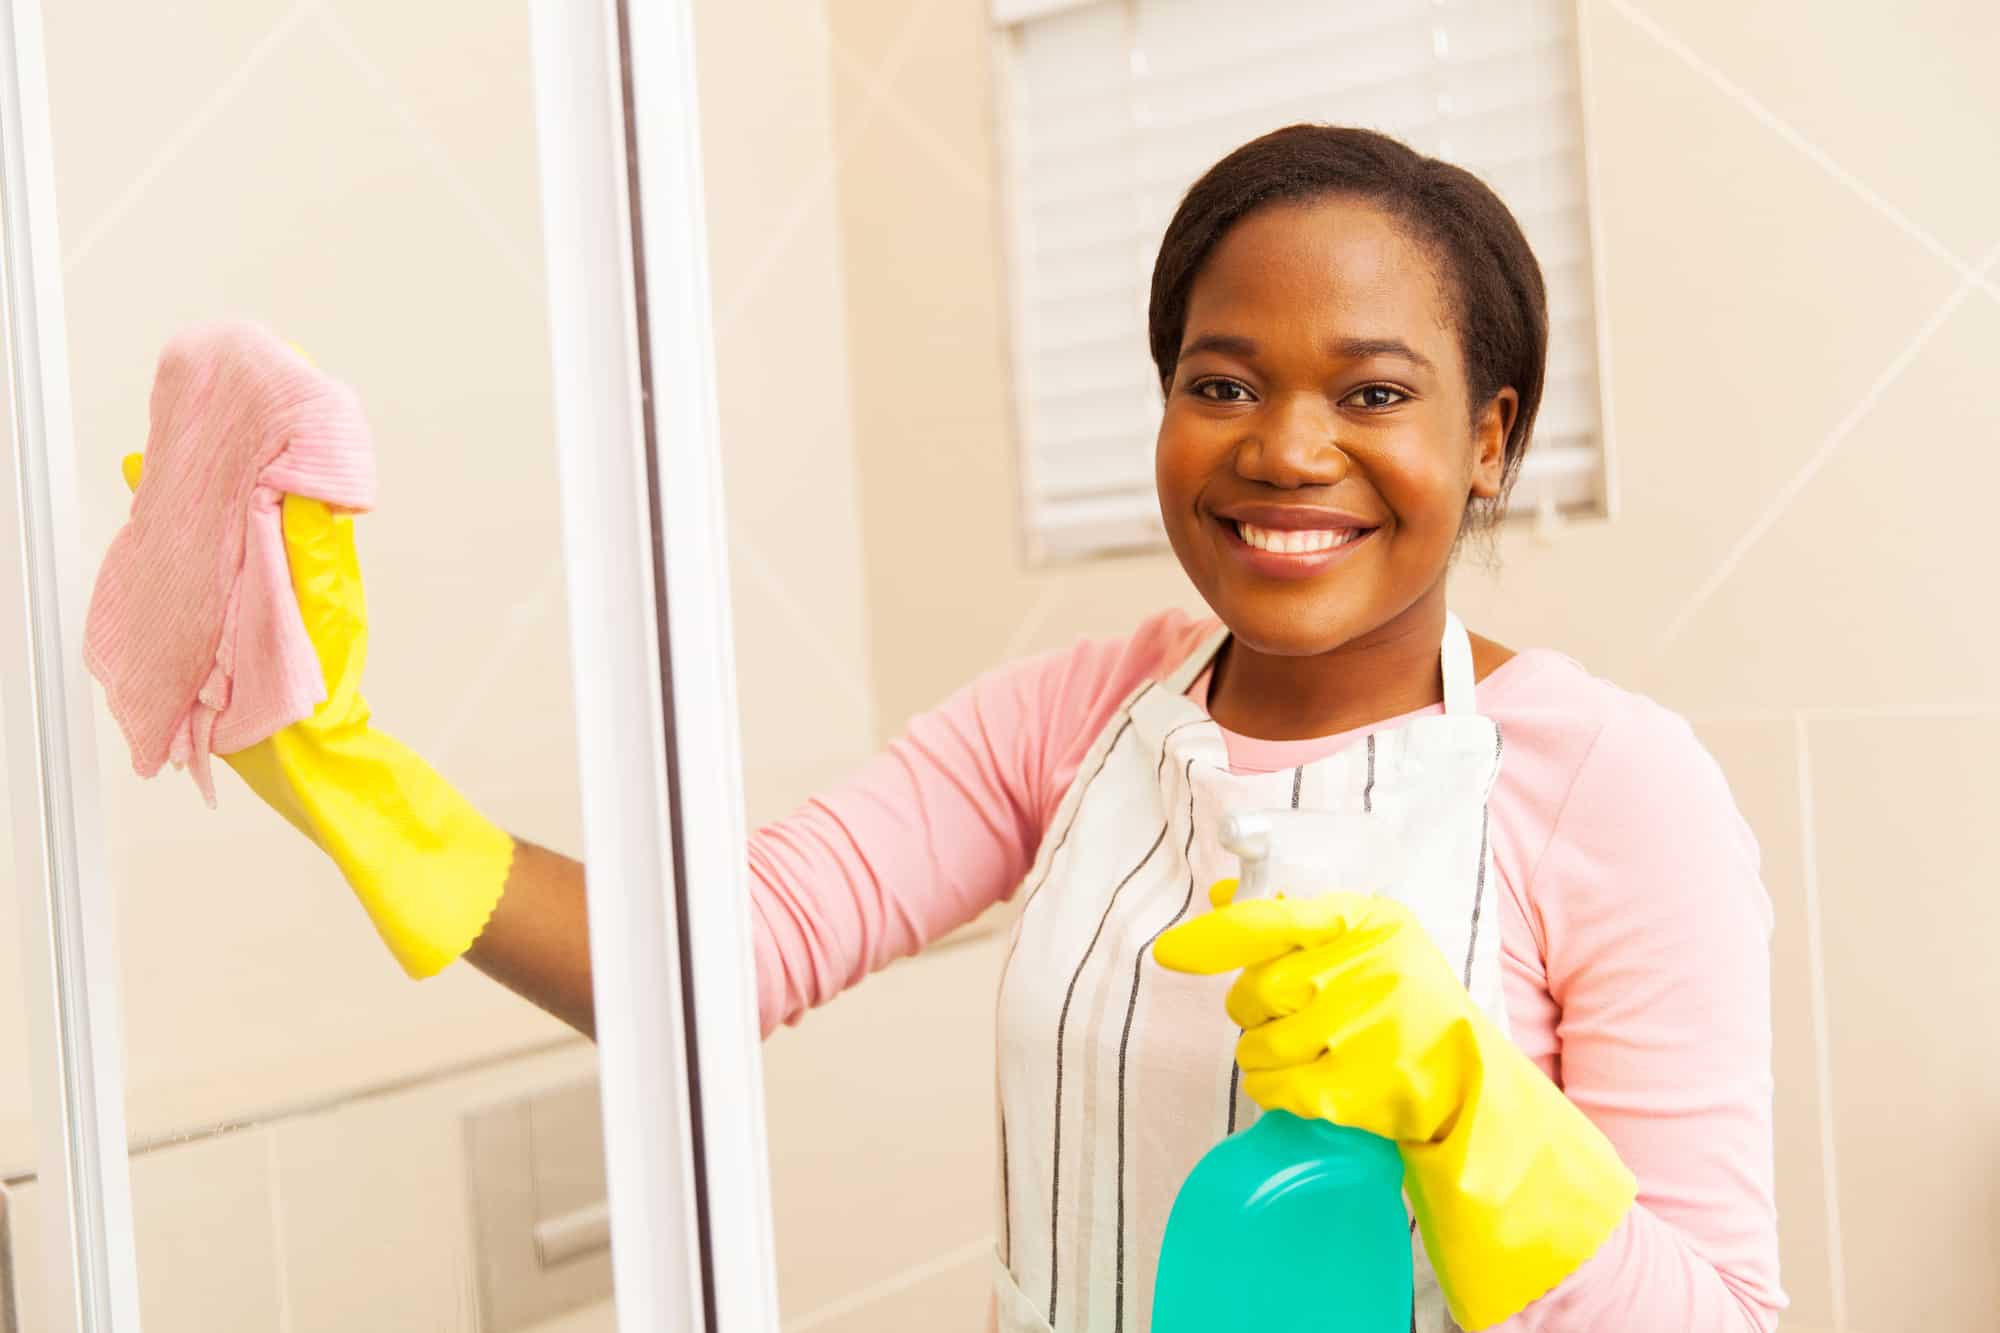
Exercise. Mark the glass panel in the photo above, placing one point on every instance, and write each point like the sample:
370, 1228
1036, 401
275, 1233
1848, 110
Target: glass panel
880, 1105
317, 1140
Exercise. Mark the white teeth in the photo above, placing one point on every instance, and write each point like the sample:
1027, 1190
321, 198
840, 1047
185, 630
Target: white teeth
1296, 541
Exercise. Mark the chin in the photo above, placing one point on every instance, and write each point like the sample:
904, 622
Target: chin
1304, 628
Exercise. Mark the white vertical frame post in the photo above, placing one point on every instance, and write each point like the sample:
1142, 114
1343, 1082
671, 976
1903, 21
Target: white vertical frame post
68, 964
703, 737
680, 1064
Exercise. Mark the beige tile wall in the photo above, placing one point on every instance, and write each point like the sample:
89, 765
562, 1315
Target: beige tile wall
349, 1217
1792, 201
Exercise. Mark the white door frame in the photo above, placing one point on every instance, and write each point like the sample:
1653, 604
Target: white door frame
69, 964
647, 563
645, 539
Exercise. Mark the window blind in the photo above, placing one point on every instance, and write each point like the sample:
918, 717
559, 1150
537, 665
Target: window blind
1112, 108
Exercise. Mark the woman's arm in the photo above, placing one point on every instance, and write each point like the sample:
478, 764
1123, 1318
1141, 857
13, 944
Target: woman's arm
1657, 940
537, 942
929, 834
923, 839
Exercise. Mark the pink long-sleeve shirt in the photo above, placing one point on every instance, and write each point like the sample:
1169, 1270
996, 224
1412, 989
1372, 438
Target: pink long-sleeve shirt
1635, 931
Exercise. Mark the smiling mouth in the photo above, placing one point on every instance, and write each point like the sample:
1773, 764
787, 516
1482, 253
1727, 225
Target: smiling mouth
1297, 541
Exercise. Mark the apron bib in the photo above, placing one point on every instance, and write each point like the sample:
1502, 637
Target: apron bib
1116, 1075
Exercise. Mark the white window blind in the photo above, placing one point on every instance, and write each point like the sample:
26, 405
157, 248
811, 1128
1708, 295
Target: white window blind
1112, 109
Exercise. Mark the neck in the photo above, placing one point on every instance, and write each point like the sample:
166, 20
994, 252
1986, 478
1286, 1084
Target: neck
1389, 671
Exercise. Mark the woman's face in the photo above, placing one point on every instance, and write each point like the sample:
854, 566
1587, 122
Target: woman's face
1318, 449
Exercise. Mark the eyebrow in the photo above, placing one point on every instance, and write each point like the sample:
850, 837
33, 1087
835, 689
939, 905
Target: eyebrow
1227, 344
1360, 349
1350, 349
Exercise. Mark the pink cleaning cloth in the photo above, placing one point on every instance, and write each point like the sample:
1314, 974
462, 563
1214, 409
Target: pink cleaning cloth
193, 628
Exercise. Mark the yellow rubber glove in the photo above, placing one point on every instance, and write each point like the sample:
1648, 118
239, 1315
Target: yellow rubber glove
427, 866
1350, 1014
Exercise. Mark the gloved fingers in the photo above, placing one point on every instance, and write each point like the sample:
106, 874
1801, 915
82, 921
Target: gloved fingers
319, 547
1222, 892
1248, 933
1327, 1090
326, 581
1238, 935
1291, 983
1352, 1016
1282, 1090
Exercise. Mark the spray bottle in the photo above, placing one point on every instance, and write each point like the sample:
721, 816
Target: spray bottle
1291, 1225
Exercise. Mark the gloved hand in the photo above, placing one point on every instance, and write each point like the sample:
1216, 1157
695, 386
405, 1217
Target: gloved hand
426, 865
1350, 1014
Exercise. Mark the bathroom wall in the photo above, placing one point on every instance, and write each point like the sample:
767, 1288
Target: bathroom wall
361, 175
1803, 436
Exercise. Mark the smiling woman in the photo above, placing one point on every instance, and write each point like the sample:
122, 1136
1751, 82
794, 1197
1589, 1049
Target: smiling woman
1351, 338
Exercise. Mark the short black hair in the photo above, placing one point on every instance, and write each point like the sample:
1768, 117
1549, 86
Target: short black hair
1500, 305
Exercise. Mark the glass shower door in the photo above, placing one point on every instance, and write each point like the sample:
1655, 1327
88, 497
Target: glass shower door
637, 534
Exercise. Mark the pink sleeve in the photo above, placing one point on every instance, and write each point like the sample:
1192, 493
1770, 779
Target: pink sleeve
940, 826
1657, 930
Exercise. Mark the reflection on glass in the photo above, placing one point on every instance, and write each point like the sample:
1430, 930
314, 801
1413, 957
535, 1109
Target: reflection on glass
316, 1139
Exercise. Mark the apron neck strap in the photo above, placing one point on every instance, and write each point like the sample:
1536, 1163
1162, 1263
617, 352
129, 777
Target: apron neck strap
1458, 679
1184, 676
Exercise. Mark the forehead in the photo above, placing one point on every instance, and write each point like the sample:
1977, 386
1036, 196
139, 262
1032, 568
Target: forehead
1327, 269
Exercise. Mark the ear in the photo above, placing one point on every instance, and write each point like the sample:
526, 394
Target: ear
1489, 442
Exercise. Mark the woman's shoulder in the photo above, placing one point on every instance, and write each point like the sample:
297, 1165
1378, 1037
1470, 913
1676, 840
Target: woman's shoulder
1616, 822
1549, 696
1587, 753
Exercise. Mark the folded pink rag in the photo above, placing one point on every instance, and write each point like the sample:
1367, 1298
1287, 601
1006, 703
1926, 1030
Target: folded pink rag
193, 628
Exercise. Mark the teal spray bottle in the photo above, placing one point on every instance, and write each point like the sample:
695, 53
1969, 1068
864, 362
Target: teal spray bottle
1291, 1225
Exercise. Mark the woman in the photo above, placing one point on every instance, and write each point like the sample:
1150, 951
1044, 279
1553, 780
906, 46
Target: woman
1560, 1014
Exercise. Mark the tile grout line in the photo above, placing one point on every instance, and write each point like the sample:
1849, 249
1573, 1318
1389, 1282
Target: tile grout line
335, 1101
1037, 615
1826, 449
427, 142
935, 145
1822, 1044
824, 183
278, 1232
177, 143
765, 575
1818, 156
866, 1296
525, 616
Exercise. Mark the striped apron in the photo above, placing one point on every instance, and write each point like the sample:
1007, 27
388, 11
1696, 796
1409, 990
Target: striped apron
1116, 1075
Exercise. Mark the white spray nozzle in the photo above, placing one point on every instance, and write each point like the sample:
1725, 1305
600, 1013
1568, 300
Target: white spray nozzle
1248, 838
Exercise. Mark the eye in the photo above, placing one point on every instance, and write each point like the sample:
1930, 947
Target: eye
1221, 390
1376, 397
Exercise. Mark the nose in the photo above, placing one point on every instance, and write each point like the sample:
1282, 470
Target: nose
1294, 443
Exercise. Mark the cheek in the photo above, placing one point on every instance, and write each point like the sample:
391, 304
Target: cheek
1426, 487
1183, 457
